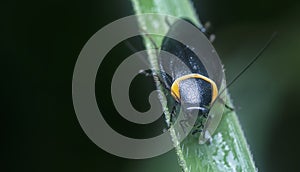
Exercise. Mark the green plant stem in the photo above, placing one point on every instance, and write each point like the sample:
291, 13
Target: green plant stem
228, 150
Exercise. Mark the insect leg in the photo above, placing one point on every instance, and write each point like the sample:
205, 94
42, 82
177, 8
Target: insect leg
205, 112
196, 131
173, 112
223, 102
226, 105
199, 129
229, 107
164, 77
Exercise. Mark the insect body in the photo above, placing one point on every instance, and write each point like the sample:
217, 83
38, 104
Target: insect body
196, 82
187, 79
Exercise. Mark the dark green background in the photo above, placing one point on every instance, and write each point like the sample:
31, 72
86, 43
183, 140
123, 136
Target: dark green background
40, 44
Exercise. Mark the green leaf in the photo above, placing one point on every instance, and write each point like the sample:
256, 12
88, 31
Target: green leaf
228, 150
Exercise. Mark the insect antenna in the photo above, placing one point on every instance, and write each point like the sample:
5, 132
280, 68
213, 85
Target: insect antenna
254, 59
268, 43
134, 50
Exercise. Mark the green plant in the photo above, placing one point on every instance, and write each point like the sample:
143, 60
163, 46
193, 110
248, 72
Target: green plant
228, 150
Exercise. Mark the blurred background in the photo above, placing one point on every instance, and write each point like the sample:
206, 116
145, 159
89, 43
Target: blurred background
41, 41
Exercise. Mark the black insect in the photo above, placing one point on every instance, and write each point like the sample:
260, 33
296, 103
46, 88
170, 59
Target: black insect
186, 78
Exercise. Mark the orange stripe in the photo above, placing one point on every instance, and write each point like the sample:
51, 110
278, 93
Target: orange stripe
175, 86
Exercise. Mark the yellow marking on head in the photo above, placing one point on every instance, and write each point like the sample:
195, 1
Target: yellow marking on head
175, 86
